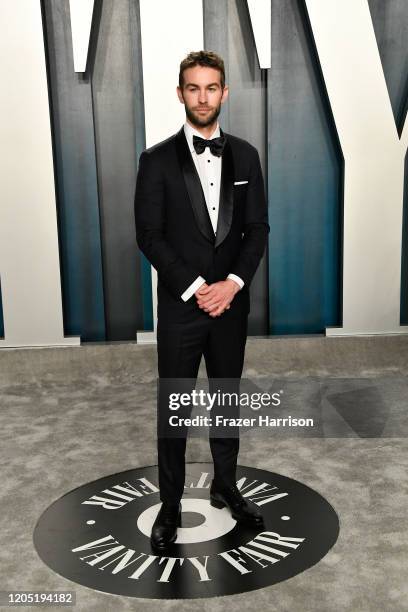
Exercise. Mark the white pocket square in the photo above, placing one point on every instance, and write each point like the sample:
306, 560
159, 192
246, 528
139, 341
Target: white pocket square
240, 182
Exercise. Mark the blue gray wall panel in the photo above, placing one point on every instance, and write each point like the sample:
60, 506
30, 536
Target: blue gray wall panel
116, 95
304, 178
76, 181
98, 133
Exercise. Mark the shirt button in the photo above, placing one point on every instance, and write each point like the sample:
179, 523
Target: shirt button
208, 160
213, 207
211, 183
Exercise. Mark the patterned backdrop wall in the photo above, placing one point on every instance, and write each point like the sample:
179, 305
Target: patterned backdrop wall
98, 133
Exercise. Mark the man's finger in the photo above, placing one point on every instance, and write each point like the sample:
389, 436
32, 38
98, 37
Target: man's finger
214, 311
218, 311
207, 298
212, 299
211, 307
204, 289
205, 294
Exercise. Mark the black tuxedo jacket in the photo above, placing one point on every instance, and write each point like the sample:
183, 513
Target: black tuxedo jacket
173, 227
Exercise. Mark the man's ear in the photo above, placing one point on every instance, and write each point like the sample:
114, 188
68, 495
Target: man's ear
180, 94
225, 93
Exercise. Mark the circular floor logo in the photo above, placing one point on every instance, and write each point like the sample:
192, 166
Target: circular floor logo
98, 535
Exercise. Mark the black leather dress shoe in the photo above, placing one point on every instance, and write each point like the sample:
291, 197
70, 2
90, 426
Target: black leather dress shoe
164, 530
241, 509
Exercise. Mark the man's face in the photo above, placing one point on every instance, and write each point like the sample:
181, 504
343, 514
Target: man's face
202, 95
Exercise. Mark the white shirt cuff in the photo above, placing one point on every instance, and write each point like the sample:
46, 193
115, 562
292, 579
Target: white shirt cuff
237, 279
190, 291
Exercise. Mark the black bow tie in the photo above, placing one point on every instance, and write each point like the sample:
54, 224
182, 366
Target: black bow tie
216, 145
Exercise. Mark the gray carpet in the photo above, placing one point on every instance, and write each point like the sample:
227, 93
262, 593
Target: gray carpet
72, 415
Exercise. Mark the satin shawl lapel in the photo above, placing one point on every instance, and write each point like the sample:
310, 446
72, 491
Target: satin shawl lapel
194, 188
226, 204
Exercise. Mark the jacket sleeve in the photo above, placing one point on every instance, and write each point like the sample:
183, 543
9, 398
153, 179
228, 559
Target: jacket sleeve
256, 227
150, 218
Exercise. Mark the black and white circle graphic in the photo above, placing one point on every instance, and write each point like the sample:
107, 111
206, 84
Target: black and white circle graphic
98, 535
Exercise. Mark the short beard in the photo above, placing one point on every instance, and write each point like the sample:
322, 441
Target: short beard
202, 122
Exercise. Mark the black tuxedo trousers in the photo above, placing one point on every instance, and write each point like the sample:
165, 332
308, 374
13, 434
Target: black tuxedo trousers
174, 232
221, 340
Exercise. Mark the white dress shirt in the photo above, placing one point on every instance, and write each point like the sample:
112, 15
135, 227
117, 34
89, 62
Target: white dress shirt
209, 170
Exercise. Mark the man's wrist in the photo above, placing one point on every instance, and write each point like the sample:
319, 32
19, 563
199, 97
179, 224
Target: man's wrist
237, 279
233, 284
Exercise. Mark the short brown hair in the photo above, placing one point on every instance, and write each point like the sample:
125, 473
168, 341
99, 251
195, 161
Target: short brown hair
202, 58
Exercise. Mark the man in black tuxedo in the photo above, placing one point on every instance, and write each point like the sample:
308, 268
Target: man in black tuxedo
202, 221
